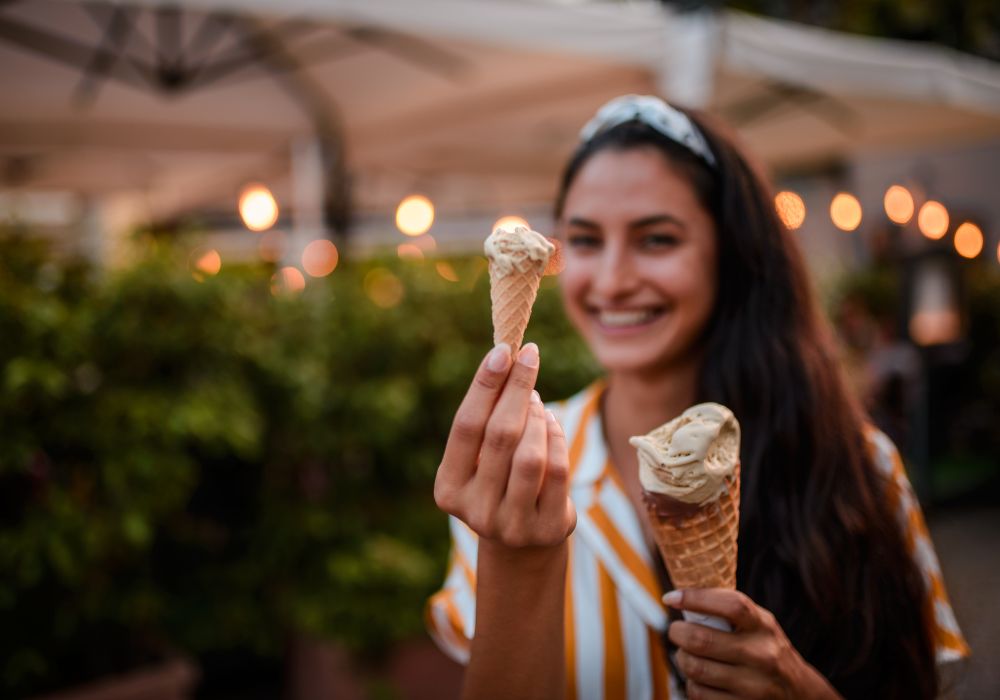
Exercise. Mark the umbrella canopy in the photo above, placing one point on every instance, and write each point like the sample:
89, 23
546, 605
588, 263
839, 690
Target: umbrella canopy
172, 107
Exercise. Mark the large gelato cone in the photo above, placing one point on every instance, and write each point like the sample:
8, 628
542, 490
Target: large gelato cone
689, 470
518, 257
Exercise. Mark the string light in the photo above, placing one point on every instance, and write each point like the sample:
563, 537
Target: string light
510, 222
968, 240
791, 209
257, 208
933, 220
415, 215
845, 211
898, 204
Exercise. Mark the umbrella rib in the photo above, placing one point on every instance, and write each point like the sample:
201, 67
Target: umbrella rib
61, 49
105, 56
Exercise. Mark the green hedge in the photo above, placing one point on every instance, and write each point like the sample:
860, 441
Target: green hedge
204, 465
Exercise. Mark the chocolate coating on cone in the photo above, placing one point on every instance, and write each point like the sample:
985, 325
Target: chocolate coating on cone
698, 544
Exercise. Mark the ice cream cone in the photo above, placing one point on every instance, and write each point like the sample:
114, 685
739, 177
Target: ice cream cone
517, 258
698, 543
513, 296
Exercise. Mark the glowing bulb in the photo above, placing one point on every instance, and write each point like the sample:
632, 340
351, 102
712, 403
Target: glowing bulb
845, 210
287, 279
415, 215
898, 204
258, 209
791, 209
968, 240
383, 288
510, 222
319, 258
933, 220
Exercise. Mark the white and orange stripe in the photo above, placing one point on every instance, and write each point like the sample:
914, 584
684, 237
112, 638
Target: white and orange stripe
613, 615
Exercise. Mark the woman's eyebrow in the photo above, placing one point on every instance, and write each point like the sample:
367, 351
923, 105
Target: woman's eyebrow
656, 219
582, 223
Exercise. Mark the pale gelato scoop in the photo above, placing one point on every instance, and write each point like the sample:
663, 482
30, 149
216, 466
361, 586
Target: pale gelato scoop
517, 249
692, 457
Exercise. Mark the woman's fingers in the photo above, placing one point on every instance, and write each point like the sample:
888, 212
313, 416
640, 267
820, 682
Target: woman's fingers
505, 427
697, 691
711, 673
528, 465
554, 503
467, 430
707, 642
734, 606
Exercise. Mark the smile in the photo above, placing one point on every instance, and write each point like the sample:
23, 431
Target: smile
626, 318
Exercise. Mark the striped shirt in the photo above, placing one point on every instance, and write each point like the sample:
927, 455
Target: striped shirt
614, 618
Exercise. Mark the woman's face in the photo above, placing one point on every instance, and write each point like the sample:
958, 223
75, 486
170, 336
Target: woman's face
639, 281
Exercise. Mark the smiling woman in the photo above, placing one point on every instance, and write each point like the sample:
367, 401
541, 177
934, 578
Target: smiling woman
688, 288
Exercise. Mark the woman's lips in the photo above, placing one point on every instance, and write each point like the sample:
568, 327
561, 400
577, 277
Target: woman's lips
624, 320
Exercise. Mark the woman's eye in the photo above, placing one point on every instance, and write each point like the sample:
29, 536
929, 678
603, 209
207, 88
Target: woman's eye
659, 240
583, 240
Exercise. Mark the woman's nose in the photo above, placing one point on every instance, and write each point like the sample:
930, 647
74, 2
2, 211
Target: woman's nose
616, 274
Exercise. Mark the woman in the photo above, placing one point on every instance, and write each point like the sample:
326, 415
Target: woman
687, 288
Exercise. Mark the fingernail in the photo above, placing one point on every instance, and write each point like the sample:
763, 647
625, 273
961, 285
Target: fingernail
673, 598
536, 397
550, 417
528, 355
499, 359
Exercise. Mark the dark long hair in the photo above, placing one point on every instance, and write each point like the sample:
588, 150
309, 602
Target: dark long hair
819, 545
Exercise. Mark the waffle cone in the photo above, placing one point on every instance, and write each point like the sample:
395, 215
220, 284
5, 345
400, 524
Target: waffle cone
512, 296
699, 548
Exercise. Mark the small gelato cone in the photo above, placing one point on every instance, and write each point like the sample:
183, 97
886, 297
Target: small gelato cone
518, 257
689, 469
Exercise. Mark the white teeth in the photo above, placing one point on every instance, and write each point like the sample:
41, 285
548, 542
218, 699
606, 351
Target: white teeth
624, 318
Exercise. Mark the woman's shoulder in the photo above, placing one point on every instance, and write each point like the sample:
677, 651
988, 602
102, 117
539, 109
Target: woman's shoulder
884, 454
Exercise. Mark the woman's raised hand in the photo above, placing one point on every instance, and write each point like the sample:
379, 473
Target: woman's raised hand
505, 471
755, 660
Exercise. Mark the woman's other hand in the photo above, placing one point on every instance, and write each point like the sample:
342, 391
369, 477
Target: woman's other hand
505, 471
755, 660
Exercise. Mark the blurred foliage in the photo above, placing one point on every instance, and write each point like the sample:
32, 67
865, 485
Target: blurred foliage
972, 26
198, 466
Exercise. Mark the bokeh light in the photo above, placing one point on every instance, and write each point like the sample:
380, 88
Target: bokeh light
409, 251
556, 262
968, 240
510, 222
898, 204
383, 288
415, 215
287, 280
320, 257
208, 262
425, 242
446, 271
258, 209
845, 211
935, 327
271, 246
933, 220
791, 209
